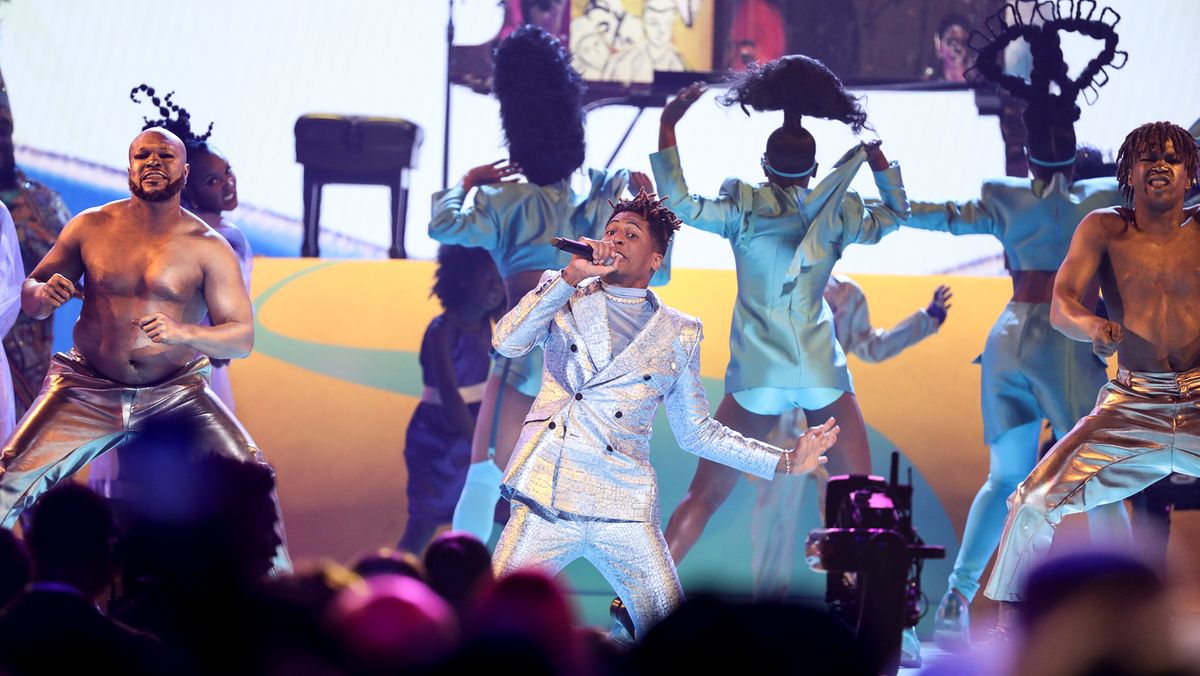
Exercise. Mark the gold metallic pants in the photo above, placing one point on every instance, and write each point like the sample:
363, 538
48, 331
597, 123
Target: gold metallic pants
1144, 427
80, 414
631, 555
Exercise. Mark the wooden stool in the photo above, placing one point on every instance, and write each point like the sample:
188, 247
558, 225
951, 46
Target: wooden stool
355, 150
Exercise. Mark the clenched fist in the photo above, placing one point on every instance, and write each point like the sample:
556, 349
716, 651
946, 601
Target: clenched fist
604, 261
161, 328
1107, 338
56, 291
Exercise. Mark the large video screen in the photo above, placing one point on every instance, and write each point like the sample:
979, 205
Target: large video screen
866, 42
863, 41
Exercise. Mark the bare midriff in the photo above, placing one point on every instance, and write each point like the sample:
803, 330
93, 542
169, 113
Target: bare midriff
1032, 286
117, 348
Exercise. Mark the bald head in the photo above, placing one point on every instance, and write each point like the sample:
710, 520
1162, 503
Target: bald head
157, 165
158, 135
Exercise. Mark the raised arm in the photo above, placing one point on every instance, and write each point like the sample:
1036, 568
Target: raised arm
474, 225
53, 281
720, 214
1068, 313
867, 221
528, 323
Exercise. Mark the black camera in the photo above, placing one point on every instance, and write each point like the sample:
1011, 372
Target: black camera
873, 558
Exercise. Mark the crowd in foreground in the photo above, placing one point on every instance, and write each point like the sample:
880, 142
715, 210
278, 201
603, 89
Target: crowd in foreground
177, 579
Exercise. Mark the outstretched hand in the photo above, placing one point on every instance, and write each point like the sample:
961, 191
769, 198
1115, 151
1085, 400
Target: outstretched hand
809, 452
940, 305
500, 171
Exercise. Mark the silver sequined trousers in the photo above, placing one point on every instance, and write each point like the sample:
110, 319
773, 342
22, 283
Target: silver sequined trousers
1144, 427
631, 555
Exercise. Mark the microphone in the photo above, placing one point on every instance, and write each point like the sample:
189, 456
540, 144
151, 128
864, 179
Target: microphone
575, 248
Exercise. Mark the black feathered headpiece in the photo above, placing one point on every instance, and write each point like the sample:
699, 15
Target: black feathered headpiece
540, 105
798, 85
1050, 92
175, 119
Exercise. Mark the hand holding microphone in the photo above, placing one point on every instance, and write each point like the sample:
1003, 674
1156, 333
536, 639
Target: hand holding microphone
592, 258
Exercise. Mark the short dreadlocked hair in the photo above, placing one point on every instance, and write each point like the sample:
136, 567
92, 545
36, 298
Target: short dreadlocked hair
1153, 137
663, 222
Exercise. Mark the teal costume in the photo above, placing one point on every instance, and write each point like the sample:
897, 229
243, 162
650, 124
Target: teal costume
1030, 371
785, 243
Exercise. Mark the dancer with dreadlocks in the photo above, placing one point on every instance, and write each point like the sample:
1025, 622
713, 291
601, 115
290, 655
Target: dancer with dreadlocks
154, 271
786, 238
580, 479
1146, 423
1030, 371
540, 109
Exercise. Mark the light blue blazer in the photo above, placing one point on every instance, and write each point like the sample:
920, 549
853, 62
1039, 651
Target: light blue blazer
785, 243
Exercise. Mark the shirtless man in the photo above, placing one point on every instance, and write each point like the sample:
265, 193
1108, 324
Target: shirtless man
153, 270
1146, 423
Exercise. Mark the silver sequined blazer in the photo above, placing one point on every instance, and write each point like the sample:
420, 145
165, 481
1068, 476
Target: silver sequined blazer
584, 451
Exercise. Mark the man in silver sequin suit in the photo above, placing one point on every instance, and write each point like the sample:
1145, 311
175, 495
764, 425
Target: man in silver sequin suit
580, 478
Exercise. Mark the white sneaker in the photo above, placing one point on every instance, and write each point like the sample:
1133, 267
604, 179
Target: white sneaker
910, 649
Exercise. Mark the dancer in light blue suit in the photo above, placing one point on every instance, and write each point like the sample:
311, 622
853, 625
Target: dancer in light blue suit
786, 238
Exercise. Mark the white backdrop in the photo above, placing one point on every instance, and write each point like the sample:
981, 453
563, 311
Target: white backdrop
254, 67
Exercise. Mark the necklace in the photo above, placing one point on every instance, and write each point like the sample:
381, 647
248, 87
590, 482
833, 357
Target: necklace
624, 301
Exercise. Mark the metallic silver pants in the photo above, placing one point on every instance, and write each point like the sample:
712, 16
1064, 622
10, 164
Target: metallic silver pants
1144, 427
80, 414
631, 555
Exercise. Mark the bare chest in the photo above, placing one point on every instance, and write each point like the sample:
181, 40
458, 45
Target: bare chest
163, 271
1158, 264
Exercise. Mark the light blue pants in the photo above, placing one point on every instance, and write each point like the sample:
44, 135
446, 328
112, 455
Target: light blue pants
1013, 457
1030, 372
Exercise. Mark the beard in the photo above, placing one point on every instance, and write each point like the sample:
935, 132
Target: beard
161, 195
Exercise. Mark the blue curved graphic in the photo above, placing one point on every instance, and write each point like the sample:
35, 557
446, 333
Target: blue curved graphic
389, 370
